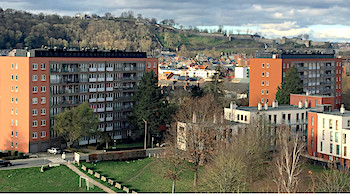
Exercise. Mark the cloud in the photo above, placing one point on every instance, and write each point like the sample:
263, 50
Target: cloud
288, 29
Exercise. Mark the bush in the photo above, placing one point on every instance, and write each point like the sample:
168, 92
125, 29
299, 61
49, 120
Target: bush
14, 157
14, 153
92, 147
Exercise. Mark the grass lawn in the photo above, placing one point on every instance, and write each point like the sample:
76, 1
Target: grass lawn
57, 179
146, 175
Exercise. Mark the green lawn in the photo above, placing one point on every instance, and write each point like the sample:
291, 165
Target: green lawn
141, 177
57, 179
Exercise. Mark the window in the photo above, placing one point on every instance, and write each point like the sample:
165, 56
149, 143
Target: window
336, 137
267, 65
16, 100
344, 138
35, 135
11, 100
43, 77
312, 132
267, 100
35, 66
16, 66
154, 65
267, 92
16, 111
331, 148
11, 88
16, 123
262, 74
11, 133
287, 65
284, 74
16, 77
312, 121
262, 91
267, 74
323, 135
43, 66
35, 112
11, 77
267, 83
43, 122
43, 134
11, 144
16, 89
43, 111
16, 133
330, 124
284, 65
263, 65
16, 145
262, 100
149, 65
336, 124
35, 123
337, 149
43, 88
323, 122
43, 100
35, 100
11, 65
331, 136
35, 78
35, 89
11, 111
345, 148
321, 147
262, 83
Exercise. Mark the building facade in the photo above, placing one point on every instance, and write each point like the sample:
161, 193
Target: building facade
36, 87
320, 74
328, 136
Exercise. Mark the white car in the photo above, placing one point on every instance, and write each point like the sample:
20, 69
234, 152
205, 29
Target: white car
54, 150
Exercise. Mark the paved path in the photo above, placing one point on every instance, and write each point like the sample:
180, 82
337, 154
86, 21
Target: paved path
76, 170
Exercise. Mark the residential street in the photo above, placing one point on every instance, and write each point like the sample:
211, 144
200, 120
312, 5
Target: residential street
43, 159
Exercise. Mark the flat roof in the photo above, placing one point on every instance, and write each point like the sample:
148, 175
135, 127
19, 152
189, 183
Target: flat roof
320, 96
84, 54
335, 112
280, 107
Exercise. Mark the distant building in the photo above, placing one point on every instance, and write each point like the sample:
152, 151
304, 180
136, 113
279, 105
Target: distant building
242, 72
320, 74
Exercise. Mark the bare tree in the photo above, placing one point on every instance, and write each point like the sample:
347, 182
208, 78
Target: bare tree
237, 164
197, 128
333, 181
287, 161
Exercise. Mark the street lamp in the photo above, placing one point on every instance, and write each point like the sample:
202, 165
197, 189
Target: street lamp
145, 141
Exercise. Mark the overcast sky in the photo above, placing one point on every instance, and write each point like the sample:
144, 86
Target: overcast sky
324, 20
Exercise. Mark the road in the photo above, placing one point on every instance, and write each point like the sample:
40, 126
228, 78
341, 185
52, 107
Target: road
36, 162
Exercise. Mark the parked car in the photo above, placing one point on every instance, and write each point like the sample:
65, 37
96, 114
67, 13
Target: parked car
5, 163
54, 150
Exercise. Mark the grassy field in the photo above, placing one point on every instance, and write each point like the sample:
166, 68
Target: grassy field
146, 175
57, 179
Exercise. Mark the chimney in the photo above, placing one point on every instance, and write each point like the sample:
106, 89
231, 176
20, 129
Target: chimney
259, 106
233, 105
276, 104
266, 106
194, 119
342, 109
307, 92
306, 104
300, 104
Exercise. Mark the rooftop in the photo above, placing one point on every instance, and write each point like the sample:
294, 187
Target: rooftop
280, 107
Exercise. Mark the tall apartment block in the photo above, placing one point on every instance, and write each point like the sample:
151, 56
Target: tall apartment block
320, 74
40, 84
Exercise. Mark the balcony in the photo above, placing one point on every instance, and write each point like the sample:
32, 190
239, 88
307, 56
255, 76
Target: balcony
109, 99
110, 128
100, 109
101, 69
109, 79
102, 119
92, 79
92, 89
109, 108
94, 69
100, 99
109, 89
92, 100
109, 118
109, 68
100, 89
101, 79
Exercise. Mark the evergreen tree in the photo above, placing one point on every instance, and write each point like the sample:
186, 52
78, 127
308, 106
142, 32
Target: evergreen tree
149, 106
291, 85
196, 91
73, 124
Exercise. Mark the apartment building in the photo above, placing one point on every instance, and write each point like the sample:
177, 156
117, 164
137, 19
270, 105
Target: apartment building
293, 116
328, 136
320, 74
39, 85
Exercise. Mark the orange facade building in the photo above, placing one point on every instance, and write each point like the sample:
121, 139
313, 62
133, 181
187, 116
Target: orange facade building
320, 74
36, 87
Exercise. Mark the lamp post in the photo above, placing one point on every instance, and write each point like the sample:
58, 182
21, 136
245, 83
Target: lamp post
145, 141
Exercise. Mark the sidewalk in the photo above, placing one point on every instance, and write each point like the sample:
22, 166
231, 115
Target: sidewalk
76, 170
